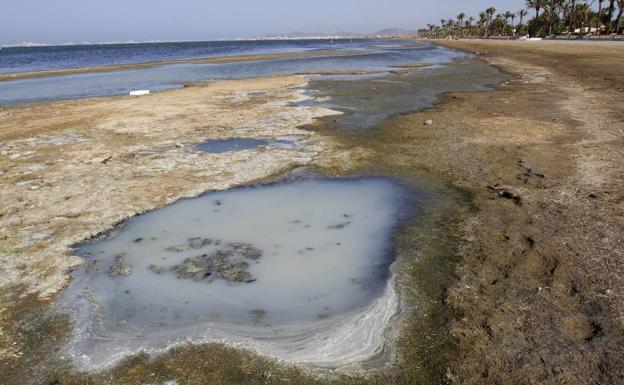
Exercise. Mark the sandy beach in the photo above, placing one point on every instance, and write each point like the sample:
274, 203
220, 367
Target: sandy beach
514, 275
540, 283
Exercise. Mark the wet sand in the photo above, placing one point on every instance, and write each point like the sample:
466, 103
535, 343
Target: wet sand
515, 275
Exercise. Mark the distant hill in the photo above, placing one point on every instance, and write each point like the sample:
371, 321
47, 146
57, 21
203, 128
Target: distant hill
315, 35
388, 32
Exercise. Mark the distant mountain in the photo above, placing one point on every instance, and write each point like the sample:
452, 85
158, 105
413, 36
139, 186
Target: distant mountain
388, 32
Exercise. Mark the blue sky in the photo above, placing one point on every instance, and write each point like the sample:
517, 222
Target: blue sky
59, 21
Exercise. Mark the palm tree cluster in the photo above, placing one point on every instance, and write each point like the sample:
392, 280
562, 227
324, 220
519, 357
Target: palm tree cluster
539, 18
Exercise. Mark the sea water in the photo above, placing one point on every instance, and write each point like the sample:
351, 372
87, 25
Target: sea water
363, 56
296, 270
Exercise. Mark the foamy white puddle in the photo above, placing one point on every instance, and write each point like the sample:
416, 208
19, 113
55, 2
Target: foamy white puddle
296, 270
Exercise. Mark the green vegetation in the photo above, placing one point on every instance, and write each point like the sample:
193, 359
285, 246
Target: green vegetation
551, 17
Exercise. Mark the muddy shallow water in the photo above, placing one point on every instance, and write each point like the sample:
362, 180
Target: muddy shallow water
218, 146
297, 270
367, 102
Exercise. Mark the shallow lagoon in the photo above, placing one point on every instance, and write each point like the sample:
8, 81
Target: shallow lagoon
297, 270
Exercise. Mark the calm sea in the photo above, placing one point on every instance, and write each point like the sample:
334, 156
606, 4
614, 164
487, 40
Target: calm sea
373, 55
21, 59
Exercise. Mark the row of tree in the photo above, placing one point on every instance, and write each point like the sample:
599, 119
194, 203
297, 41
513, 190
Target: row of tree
540, 18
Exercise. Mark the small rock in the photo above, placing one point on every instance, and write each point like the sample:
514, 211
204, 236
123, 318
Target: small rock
92, 266
247, 250
118, 267
157, 269
106, 160
177, 249
198, 243
227, 263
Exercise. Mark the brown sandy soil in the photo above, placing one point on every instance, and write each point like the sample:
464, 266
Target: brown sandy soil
210, 60
540, 287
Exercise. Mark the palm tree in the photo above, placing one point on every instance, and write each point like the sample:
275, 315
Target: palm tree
482, 22
489, 13
430, 28
571, 24
618, 20
582, 14
460, 18
552, 8
610, 14
522, 13
510, 15
598, 16
535, 4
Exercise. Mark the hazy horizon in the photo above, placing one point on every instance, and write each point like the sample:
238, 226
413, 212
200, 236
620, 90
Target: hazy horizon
74, 21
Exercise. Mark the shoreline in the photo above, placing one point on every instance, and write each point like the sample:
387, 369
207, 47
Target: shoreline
521, 257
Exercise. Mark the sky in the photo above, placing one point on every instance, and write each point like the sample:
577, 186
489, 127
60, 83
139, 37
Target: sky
61, 21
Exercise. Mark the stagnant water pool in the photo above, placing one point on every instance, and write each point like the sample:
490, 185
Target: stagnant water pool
219, 146
296, 270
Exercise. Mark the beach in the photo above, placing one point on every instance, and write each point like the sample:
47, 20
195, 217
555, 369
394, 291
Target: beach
510, 273
540, 283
